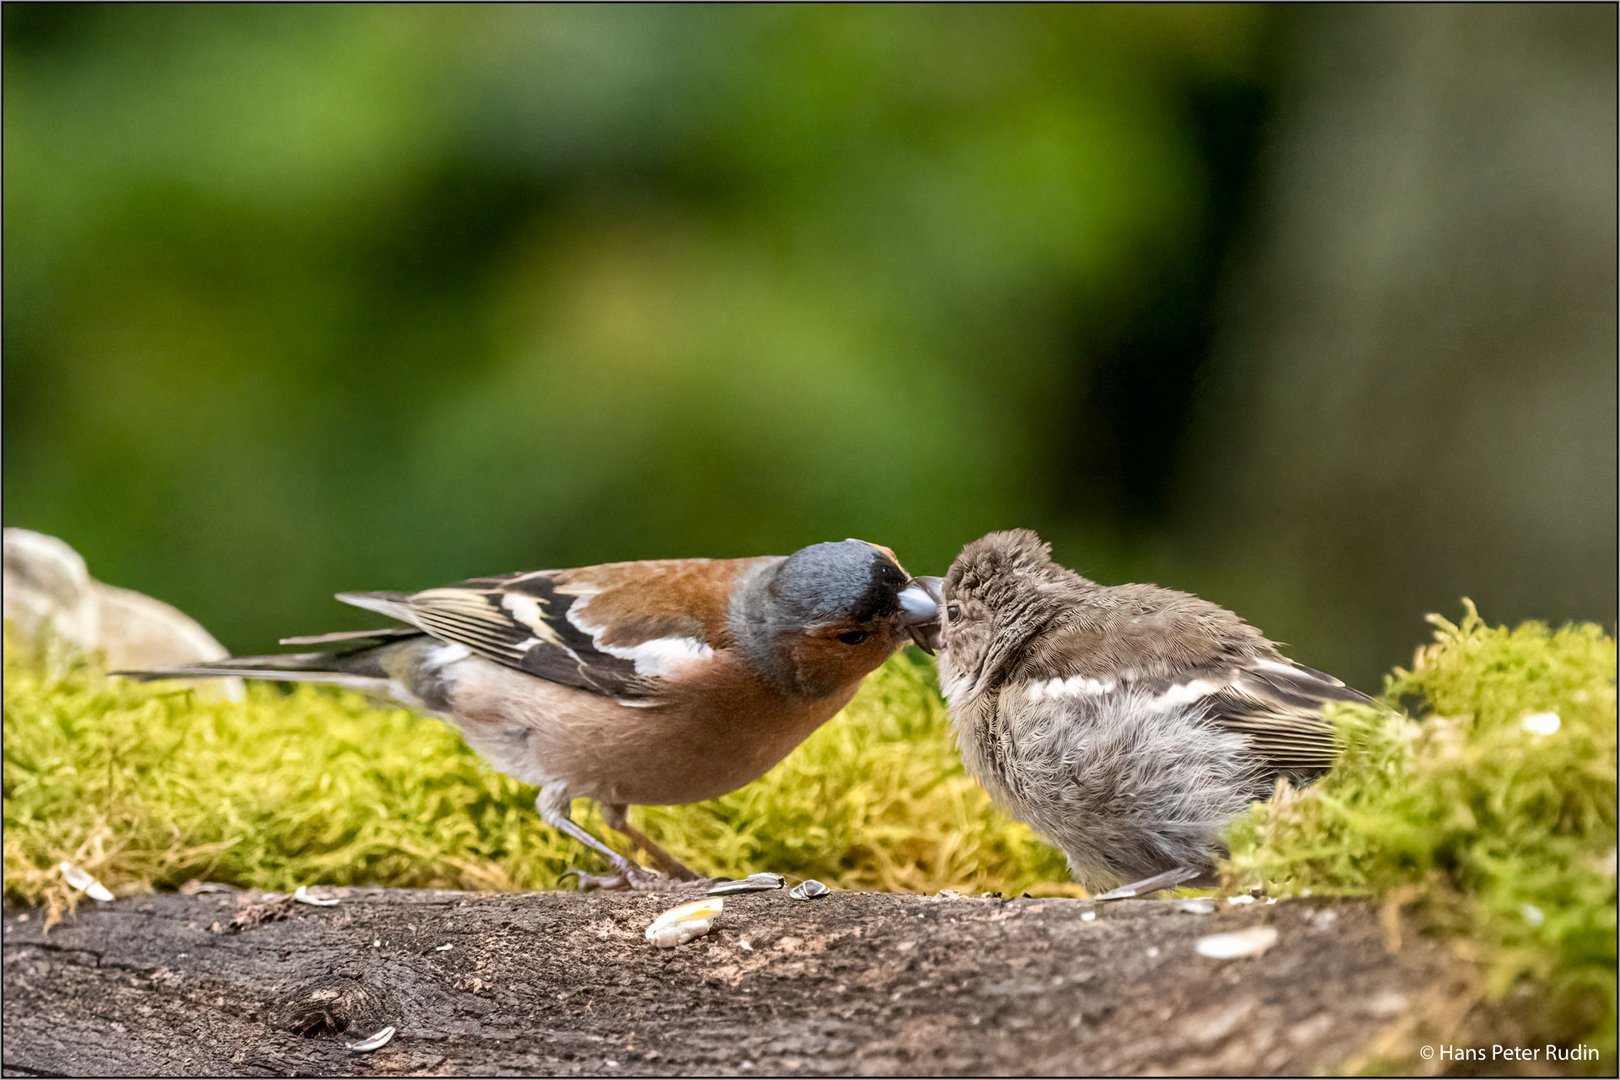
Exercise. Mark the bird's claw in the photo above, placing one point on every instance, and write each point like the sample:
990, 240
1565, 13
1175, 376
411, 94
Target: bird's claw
630, 879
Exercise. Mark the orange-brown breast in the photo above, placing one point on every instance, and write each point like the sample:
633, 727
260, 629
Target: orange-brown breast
716, 735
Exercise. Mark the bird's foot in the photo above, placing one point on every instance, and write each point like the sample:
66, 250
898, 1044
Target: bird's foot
1174, 878
630, 879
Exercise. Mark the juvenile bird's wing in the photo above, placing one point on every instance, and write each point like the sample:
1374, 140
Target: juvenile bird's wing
1274, 704
1177, 650
1277, 705
616, 629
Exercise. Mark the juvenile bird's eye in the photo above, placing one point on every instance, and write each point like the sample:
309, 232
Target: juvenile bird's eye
953, 612
852, 637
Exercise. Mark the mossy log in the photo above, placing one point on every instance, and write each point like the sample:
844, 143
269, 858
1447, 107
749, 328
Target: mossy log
563, 983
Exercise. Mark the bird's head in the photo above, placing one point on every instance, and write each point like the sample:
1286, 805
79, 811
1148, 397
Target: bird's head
1001, 590
821, 619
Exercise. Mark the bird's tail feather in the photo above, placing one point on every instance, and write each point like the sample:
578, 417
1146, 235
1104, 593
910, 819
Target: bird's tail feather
353, 635
395, 605
361, 668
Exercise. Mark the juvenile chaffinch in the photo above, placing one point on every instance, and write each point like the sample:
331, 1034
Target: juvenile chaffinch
1127, 723
667, 681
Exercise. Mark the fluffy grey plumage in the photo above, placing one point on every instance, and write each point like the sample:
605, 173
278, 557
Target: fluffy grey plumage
1130, 723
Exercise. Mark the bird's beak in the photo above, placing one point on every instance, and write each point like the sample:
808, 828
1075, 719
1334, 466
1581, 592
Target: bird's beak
919, 611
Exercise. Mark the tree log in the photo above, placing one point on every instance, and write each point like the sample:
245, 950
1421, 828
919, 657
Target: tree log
565, 984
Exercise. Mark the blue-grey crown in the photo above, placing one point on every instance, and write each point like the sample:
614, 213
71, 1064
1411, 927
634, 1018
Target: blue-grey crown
848, 580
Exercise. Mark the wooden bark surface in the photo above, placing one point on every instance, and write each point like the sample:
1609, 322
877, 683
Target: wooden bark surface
563, 983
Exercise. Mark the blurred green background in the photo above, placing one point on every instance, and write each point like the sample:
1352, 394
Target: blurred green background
1310, 310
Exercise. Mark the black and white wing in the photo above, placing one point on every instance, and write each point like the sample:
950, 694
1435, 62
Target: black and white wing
1277, 706
614, 630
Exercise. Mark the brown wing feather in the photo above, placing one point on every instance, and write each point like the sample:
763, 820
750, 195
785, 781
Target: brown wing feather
1277, 705
1165, 638
577, 627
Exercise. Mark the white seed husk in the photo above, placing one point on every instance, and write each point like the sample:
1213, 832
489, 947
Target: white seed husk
1239, 944
751, 883
375, 1042
301, 894
681, 924
81, 880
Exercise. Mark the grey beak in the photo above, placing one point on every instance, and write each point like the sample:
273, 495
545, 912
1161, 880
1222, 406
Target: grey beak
918, 604
919, 611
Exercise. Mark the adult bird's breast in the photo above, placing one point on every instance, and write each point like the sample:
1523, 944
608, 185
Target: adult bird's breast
711, 737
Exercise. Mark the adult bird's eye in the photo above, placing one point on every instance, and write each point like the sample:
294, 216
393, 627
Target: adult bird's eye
953, 612
852, 637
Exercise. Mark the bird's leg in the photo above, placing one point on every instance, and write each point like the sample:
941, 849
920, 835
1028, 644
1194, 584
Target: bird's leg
618, 819
553, 803
1169, 879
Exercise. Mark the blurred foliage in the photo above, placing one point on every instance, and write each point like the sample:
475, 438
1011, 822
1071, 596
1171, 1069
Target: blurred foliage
317, 297
1493, 816
309, 298
148, 786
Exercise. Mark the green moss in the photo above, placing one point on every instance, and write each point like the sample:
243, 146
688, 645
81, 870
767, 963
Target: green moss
149, 785
1488, 830
1487, 823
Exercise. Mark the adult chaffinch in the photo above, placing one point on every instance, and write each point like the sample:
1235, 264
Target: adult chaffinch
1127, 723
668, 681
